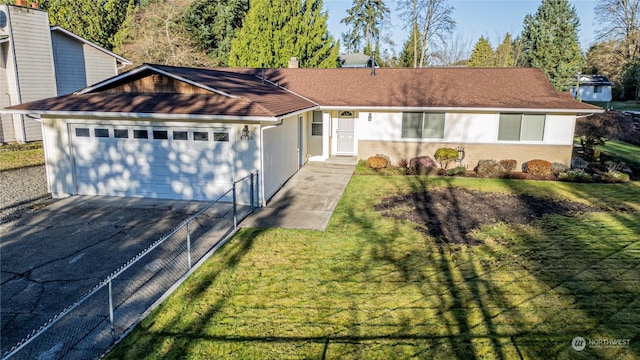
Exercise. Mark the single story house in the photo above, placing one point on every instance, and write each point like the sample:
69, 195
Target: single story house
592, 88
38, 61
184, 133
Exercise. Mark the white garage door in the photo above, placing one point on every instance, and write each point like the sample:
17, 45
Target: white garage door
156, 162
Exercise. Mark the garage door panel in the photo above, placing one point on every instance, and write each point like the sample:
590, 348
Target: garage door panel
185, 169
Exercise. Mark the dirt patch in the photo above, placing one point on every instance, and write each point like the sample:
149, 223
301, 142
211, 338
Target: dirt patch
449, 214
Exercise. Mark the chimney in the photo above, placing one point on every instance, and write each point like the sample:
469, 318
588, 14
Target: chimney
373, 63
294, 63
34, 5
21, 2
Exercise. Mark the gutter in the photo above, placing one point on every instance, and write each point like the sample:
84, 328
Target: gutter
93, 114
461, 109
262, 129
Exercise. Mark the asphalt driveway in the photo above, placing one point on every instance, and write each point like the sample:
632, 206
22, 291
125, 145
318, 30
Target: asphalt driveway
51, 257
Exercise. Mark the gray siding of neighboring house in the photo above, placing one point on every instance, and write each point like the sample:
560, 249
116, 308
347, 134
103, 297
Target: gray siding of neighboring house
6, 121
31, 41
79, 65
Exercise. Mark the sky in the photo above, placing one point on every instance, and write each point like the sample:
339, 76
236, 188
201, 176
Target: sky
491, 19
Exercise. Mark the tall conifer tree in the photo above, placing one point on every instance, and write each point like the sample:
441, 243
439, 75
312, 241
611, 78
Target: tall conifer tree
482, 54
273, 31
551, 42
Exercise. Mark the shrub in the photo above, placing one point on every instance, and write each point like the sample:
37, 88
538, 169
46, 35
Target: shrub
490, 169
538, 167
458, 170
377, 162
423, 165
615, 176
444, 157
509, 165
403, 163
557, 168
575, 175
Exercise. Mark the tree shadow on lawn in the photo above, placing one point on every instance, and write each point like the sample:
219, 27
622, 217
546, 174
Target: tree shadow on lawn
591, 285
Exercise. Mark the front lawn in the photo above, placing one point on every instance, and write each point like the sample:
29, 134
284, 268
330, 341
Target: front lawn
374, 286
13, 156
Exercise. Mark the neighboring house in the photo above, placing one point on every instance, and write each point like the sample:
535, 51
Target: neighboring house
592, 88
38, 61
184, 133
355, 60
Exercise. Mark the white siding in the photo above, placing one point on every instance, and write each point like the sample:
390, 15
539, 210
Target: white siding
280, 161
464, 128
559, 129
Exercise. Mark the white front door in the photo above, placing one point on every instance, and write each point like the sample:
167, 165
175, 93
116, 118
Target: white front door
345, 133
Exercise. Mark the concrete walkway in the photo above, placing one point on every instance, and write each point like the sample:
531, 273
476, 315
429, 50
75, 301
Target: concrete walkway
307, 200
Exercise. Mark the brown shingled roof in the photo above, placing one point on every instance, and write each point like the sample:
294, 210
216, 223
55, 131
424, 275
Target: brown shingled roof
242, 93
516, 88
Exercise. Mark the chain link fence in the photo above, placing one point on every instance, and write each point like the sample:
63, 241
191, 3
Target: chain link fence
92, 324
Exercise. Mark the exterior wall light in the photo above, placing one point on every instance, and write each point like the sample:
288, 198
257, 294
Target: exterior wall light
370, 117
246, 134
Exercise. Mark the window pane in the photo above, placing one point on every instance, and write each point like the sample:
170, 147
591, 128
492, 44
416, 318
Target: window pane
433, 127
121, 133
180, 135
200, 136
140, 134
103, 133
317, 117
316, 129
160, 134
220, 136
82, 132
411, 125
532, 127
509, 127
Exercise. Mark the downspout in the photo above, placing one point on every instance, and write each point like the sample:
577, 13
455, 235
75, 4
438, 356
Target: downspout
262, 129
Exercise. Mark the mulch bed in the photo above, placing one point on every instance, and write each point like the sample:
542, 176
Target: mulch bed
448, 214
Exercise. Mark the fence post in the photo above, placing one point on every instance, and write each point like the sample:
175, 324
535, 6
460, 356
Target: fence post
235, 211
113, 329
189, 245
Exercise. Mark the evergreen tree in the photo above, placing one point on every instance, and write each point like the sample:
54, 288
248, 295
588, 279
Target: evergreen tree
482, 54
366, 18
273, 31
213, 24
96, 21
551, 42
504, 53
408, 57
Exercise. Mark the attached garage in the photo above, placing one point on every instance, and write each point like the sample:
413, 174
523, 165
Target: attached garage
186, 162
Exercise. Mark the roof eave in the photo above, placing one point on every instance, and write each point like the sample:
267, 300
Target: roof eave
135, 115
465, 109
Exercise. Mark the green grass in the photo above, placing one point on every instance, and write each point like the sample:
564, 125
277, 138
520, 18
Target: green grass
375, 288
626, 105
13, 156
623, 151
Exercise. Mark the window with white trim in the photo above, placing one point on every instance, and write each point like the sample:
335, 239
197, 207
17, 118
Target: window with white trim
422, 125
316, 124
521, 127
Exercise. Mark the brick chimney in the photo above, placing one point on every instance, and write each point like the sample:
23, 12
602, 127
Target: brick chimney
34, 5
294, 63
21, 2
